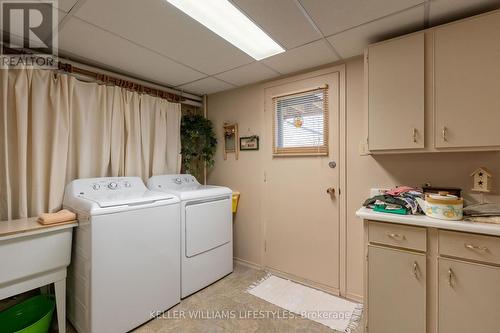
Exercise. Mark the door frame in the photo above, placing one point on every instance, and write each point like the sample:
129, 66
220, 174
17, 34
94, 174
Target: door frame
341, 164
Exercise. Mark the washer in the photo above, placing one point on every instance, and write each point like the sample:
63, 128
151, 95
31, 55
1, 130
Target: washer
125, 265
206, 229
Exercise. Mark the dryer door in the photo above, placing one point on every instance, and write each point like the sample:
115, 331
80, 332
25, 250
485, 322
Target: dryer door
208, 225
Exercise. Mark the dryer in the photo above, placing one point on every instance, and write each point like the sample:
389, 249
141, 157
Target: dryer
126, 254
206, 229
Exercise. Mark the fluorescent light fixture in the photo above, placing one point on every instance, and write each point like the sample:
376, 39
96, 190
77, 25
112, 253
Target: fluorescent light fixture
227, 21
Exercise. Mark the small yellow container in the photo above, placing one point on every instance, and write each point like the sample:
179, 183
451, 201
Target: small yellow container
236, 199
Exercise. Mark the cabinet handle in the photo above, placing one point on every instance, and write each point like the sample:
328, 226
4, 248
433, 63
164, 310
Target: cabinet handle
478, 248
415, 270
444, 134
396, 236
450, 277
414, 135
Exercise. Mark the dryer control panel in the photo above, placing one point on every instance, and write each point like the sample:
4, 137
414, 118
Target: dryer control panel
177, 182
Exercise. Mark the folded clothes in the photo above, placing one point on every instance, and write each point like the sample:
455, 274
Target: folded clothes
486, 209
399, 190
388, 199
483, 219
59, 217
399, 197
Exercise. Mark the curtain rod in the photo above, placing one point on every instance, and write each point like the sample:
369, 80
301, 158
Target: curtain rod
111, 78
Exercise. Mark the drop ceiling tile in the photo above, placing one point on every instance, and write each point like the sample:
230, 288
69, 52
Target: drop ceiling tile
334, 16
117, 53
303, 57
247, 74
282, 20
353, 42
64, 5
160, 26
442, 11
207, 86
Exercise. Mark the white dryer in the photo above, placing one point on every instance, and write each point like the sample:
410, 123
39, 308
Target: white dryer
126, 254
206, 229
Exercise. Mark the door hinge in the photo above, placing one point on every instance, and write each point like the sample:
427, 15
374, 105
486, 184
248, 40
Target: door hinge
265, 246
265, 177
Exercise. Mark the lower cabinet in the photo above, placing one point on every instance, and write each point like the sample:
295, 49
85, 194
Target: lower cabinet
396, 291
469, 297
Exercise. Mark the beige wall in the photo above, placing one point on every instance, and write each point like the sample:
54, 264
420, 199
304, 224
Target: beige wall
245, 106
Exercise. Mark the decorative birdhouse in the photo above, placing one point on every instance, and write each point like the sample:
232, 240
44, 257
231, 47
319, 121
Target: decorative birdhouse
482, 180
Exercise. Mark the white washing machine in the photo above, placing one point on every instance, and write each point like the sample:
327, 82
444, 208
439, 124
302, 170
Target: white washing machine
206, 229
125, 264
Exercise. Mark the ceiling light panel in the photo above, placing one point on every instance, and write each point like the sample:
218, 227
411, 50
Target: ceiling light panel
227, 21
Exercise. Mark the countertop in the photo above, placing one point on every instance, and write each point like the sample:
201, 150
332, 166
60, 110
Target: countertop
29, 226
424, 221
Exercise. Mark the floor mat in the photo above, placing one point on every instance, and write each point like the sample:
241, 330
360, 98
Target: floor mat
334, 312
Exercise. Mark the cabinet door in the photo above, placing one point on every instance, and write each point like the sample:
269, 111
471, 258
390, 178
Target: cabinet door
396, 291
469, 297
396, 94
467, 83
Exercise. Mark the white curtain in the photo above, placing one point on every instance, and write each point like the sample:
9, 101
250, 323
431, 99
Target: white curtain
55, 128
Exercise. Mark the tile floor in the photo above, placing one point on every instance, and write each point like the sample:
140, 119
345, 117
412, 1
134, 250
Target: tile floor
229, 294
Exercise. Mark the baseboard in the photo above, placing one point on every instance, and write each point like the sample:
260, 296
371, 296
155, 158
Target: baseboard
354, 297
246, 263
305, 282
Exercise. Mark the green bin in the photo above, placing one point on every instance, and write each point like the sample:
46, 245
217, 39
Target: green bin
31, 316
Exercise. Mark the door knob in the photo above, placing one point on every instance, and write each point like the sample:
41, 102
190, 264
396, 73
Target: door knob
330, 190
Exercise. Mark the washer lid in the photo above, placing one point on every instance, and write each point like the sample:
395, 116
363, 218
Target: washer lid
132, 198
110, 192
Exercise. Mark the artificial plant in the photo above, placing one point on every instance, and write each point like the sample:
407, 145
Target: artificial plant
198, 143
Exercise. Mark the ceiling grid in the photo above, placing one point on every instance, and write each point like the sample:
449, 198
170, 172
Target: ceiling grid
176, 51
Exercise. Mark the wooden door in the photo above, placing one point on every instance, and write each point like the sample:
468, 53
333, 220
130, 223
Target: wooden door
469, 297
301, 218
396, 291
467, 83
396, 94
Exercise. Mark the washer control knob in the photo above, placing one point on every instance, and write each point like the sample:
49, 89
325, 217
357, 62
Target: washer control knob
127, 184
112, 186
96, 187
178, 180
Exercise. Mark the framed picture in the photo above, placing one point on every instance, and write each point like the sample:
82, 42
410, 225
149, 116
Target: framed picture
230, 140
249, 143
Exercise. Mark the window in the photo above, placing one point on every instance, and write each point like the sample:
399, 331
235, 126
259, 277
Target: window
301, 123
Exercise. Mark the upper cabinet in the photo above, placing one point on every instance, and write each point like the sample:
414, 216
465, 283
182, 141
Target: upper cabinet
467, 83
396, 94
437, 90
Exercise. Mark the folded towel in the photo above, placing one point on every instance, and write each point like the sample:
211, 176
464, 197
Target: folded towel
59, 217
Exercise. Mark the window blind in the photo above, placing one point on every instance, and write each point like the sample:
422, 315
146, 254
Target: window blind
300, 123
